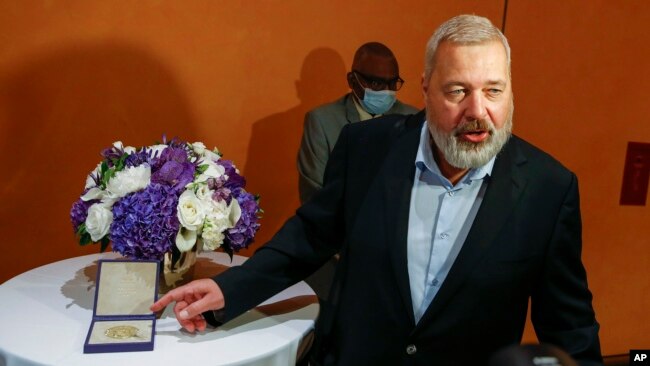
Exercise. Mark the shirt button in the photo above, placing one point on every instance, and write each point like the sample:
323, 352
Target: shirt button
434, 283
444, 236
450, 193
410, 349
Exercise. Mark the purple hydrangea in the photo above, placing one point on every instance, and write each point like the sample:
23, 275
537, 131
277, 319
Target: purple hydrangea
241, 236
145, 223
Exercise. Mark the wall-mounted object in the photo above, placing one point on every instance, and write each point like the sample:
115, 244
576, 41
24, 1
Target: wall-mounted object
636, 173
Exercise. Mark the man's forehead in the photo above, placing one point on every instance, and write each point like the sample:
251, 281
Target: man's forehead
450, 49
487, 58
376, 65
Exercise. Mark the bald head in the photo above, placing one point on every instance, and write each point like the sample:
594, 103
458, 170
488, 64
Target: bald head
372, 61
372, 49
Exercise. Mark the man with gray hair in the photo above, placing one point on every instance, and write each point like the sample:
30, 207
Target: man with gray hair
447, 225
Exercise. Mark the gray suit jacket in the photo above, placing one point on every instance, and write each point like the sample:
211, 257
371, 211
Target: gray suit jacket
321, 130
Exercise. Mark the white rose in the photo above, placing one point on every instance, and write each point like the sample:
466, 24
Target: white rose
190, 211
129, 180
203, 192
185, 239
98, 221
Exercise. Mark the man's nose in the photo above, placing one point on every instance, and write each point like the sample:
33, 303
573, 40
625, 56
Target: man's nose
475, 106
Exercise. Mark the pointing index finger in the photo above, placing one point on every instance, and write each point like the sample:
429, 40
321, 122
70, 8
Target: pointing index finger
173, 295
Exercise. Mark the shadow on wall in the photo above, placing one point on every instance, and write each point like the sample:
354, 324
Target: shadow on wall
60, 110
271, 163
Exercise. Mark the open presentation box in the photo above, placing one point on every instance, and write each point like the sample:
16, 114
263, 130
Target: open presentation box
122, 321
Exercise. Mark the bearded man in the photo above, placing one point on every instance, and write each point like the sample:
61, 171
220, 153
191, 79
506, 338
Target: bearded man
447, 226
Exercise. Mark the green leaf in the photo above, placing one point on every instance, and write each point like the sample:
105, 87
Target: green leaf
81, 229
107, 176
201, 169
85, 239
119, 163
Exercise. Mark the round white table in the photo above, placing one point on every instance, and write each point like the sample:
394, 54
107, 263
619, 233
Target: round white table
45, 314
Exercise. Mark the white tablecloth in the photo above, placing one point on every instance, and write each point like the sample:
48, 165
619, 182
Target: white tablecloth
45, 314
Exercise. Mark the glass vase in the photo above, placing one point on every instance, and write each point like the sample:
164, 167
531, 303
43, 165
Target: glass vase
177, 268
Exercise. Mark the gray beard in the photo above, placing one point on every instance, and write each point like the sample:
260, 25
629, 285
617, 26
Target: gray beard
469, 155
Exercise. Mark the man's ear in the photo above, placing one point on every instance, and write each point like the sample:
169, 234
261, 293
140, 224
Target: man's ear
350, 78
425, 84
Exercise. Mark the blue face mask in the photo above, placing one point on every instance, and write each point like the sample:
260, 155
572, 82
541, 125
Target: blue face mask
378, 101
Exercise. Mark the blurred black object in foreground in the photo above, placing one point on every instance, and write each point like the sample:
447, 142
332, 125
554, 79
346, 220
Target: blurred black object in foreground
531, 355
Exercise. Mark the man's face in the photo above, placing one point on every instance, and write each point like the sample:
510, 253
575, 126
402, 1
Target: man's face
469, 102
371, 68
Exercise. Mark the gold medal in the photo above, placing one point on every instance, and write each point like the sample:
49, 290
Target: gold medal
122, 332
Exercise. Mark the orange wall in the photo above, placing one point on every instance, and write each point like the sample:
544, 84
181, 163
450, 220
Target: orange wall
580, 71
76, 76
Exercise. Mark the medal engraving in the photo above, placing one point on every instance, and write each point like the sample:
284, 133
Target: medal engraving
122, 332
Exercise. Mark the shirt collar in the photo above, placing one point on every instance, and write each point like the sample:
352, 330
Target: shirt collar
424, 160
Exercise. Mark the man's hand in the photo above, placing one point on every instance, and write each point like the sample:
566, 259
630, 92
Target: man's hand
191, 300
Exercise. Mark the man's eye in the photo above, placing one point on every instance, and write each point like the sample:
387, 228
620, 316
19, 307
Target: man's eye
494, 91
456, 91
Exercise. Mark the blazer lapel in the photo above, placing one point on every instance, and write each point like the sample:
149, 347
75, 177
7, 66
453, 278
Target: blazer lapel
351, 113
399, 171
504, 188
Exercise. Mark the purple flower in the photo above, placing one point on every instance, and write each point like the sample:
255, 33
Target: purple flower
79, 212
234, 179
111, 154
145, 223
222, 194
241, 236
173, 168
139, 158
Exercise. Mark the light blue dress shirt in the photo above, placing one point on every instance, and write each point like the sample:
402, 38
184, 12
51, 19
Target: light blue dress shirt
440, 217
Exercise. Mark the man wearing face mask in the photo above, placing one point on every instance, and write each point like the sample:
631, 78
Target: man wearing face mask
373, 80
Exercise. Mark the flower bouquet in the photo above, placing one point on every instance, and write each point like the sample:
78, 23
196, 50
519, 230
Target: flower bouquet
173, 197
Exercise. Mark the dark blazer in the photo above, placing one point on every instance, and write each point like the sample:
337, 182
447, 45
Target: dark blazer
525, 242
